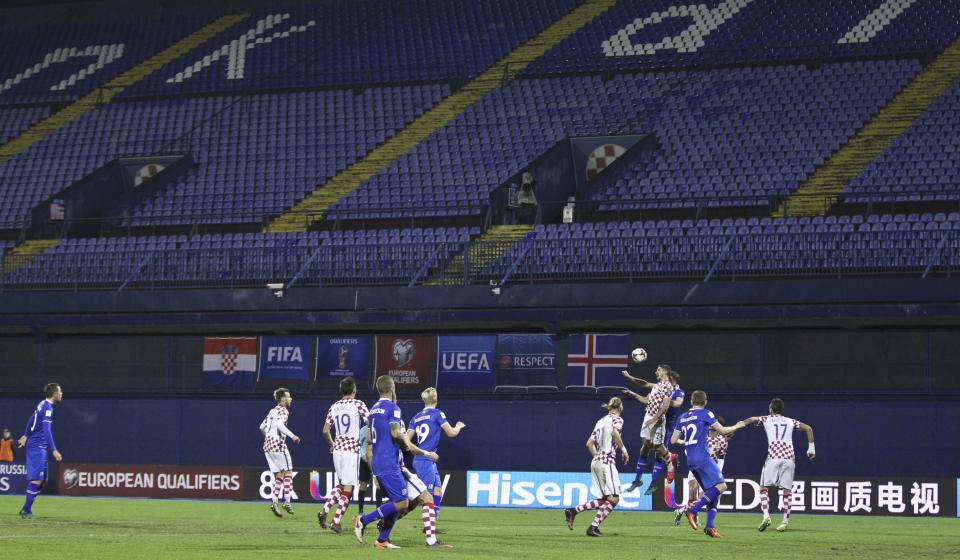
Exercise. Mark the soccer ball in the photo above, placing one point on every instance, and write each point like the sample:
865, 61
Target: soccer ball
638, 355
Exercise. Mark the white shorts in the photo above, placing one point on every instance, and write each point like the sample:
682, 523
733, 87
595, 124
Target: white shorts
778, 472
415, 486
278, 460
606, 477
347, 466
653, 432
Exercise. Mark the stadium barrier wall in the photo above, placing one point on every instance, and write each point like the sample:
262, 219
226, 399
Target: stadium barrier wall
921, 497
862, 438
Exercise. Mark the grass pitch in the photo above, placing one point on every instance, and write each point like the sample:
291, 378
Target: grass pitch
124, 529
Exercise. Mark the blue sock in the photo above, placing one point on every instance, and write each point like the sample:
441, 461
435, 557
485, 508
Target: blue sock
32, 490
387, 526
708, 496
641, 465
658, 470
711, 515
382, 512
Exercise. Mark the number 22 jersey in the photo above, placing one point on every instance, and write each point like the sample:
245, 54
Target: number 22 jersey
694, 427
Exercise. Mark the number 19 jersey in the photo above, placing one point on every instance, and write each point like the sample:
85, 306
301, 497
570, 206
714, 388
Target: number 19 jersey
427, 425
346, 415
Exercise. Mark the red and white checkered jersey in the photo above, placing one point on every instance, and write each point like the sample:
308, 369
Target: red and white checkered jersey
660, 392
603, 438
347, 415
717, 444
779, 435
275, 440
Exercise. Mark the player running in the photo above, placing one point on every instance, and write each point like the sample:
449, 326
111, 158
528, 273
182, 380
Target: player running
692, 430
427, 425
37, 438
386, 437
780, 466
347, 414
275, 432
603, 444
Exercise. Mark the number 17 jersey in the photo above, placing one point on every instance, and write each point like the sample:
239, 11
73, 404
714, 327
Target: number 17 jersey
694, 426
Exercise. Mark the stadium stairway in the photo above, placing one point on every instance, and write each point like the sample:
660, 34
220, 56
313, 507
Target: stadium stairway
109, 90
28, 249
485, 249
312, 207
831, 178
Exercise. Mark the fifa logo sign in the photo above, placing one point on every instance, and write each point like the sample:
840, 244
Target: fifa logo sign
284, 354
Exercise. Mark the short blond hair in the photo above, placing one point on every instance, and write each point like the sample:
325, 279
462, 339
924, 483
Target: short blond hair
429, 395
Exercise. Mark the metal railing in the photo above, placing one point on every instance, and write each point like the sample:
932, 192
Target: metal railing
406, 261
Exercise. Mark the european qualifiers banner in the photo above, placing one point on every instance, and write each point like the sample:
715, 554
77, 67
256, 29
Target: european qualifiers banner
465, 363
151, 481
409, 360
840, 496
286, 358
343, 356
13, 478
526, 359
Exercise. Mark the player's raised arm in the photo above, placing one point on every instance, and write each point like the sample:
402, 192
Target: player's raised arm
635, 396
750, 421
726, 430
641, 382
811, 449
452, 431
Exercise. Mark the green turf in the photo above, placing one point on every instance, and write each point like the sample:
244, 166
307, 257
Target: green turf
103, 529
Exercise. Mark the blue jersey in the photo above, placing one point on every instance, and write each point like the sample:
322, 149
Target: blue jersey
672, 411
694, 426
385, 449
39, 429
427, 425
362, 439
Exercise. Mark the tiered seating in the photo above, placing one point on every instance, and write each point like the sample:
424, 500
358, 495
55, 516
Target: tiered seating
739, 247
358, 42
259, 157
14, 121
921, 164
755, 132
741, 132
63, 60
628, 36
88, 143
355, 257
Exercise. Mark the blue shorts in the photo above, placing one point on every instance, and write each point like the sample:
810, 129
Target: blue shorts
36, 463
708, 474
392, 484
428, 473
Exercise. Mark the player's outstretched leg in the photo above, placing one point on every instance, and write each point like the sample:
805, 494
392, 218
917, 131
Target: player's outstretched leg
570, 514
